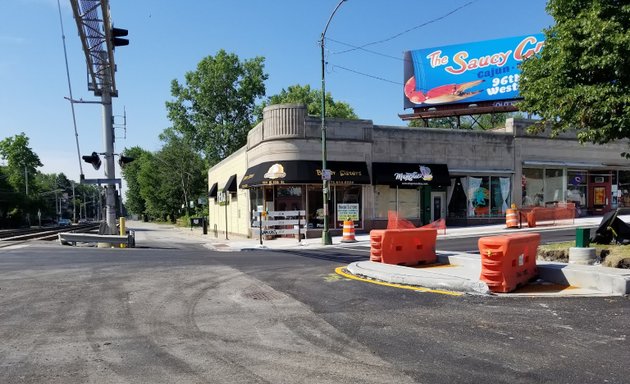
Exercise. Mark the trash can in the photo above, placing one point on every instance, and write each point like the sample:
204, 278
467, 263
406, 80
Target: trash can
582, 237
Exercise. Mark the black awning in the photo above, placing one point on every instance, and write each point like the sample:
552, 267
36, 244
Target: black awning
230, 186
410, 174
213, 190
305, 172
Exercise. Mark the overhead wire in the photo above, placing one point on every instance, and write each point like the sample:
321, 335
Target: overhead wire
74, 118
409, 29
367, 75
362, 47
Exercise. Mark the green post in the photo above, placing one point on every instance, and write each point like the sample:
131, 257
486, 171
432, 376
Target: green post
582, 237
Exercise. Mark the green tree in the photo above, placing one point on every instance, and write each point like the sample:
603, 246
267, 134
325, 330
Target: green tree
213, 110
580, 80
134, 201
171, 178
312, 98
21, 160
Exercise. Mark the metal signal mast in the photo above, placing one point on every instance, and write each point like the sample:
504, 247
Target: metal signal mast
99, 39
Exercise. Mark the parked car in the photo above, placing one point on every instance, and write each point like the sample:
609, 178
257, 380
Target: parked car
64, 222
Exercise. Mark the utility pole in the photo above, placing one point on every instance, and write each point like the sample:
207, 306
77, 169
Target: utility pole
326, 239
99, 39
74, 206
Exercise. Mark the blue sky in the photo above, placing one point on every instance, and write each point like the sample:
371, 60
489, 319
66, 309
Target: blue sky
169, 38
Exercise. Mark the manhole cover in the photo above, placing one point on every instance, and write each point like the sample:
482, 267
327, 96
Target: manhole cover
263, 295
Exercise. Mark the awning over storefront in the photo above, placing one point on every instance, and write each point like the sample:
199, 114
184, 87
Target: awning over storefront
410, 174
230, 186
305, 172
213, 190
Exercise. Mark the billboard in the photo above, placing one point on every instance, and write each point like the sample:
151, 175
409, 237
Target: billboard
467, 73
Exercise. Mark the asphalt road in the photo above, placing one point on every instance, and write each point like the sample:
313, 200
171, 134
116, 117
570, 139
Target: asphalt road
180, 313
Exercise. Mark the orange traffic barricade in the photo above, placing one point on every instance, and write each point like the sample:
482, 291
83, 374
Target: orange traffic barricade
376, 245
348, 232
508, 261
403, 246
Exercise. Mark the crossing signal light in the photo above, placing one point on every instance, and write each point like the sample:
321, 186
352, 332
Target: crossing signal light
124, 160
93, 159
117, 40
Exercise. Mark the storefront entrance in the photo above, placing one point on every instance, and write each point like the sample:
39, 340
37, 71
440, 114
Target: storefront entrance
438, 205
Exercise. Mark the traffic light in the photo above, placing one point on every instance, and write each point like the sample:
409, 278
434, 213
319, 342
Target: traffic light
93, 159
117, 33
124, 160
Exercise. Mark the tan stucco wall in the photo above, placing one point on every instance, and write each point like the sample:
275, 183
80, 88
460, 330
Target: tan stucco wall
238, 207
288, 133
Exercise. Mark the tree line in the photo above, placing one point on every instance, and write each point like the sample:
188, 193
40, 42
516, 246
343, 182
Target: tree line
30, 197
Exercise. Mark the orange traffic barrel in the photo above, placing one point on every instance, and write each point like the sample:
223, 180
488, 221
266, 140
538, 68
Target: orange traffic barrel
348, 232
511, 218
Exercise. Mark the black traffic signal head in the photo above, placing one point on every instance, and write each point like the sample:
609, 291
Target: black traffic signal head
124, 160
93, 159
117, 33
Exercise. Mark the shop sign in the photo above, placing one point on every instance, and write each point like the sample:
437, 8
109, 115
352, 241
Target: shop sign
348, 212
222, 198
468, 73
424, 174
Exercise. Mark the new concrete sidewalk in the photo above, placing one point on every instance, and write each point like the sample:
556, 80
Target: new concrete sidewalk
457, 271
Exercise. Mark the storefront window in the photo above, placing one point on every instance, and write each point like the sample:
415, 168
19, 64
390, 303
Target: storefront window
500, 191
404, 201
457, 200
478, 196
315, 211
532, 187
255, 201
384, 200
553, 185
289, 198
408, 203
624, 189
348, 204
576, 188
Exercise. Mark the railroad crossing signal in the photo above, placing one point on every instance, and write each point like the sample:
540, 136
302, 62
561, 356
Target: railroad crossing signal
117, 40
93, 159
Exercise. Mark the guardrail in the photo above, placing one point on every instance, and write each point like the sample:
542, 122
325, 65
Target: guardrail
73, 238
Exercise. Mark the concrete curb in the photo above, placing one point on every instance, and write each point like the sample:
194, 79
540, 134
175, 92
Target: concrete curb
611, 281
396, 274
607, 281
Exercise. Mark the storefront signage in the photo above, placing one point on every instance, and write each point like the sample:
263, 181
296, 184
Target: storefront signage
467, 73
305, 172
348, 212
222, 198
409, 174
276, 171
424, 174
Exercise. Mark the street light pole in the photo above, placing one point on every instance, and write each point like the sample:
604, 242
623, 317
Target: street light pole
326, 239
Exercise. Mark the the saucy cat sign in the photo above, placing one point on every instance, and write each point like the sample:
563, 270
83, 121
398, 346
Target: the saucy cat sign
467, 73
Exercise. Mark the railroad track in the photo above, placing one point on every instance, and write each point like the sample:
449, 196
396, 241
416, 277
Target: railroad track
11, 237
